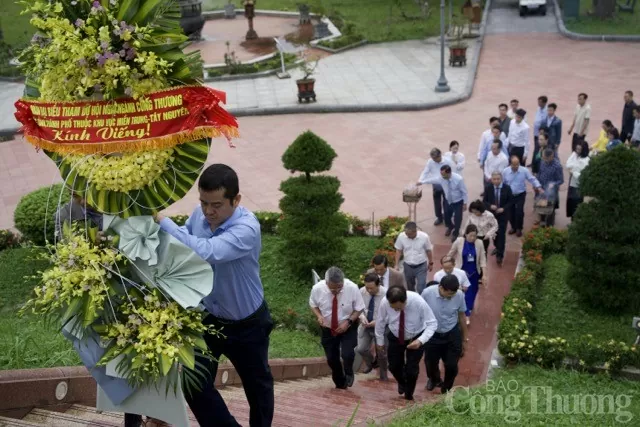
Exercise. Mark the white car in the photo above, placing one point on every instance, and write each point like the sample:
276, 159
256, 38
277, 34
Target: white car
537, 5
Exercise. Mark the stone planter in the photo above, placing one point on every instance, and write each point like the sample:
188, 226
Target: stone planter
305, 89
191, 19
457, 56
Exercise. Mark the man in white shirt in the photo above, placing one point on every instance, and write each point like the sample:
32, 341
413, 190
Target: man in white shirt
449, 267
518, 138
449, 340
581, 118
514, 105
411, 324
337, 304
496, 161
414, 246
372, 294
539, 120
431, 170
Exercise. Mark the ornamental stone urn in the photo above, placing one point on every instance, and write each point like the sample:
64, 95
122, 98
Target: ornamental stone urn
191, 19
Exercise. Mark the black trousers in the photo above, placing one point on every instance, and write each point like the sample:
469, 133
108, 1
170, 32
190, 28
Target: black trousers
438, 199
404, 364
536, 147
344, 344
485, 243
518, 152
517, 211
448, 348
500, 238
246, 344
453, 216
574, 199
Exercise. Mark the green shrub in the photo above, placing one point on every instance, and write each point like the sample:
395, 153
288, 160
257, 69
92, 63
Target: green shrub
312, 225
179, 219
268, 221
37, 209
8, 239
604, 235
357, 226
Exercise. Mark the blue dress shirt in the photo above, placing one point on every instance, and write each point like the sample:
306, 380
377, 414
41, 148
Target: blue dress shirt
233, 250
517, 181
454, 189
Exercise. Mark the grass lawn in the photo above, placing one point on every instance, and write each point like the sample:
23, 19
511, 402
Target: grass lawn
371, 17
526, 396
621, 23
28, 342
559, 312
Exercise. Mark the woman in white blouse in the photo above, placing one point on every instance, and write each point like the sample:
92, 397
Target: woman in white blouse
484, 220
455, 157
576, 163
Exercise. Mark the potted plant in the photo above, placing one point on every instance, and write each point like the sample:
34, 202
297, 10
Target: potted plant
306, 83
458, 48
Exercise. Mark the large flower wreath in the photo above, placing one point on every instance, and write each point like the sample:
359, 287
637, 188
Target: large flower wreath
129, 293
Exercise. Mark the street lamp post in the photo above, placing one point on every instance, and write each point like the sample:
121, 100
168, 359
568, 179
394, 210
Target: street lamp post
443, 85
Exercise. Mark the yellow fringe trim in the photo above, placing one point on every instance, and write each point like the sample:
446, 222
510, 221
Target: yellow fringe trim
148, 144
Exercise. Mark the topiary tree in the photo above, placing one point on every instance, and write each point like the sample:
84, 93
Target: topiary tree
312, 225
37, 209
603, 239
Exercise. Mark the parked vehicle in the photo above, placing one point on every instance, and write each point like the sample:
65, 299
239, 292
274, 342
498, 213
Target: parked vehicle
533, 5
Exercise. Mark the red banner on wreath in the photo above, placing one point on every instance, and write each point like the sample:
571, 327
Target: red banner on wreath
158, 120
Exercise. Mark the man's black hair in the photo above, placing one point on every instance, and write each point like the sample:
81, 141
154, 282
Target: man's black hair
450, 283
219, 176
396, 294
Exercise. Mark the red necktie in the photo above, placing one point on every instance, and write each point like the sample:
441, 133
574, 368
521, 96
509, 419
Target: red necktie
401, 328
334, 315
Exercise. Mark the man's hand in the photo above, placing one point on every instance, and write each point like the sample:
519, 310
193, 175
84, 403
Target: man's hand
414, 345
493, 207
320, 321
157, 217
464, 207
371, 324
364, 322
342, 327
430, 267
464, 347
524, 160
539, 190
570, 130
500, 210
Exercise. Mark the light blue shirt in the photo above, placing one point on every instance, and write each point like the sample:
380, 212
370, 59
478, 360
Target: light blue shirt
517, 181
541, 117
233, 251
454, 189
445, 310
431, 172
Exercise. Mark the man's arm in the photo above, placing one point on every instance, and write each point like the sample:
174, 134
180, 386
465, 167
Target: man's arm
462, 321
233, 244
481, 149
381, 322
465, 194
532, 179
429, 321
425, 178
527, 141
313, 303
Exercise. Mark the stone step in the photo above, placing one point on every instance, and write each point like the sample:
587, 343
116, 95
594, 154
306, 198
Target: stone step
10, 422
43, 417
91, 414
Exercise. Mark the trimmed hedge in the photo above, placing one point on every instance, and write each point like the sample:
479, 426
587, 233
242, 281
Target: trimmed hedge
37, 209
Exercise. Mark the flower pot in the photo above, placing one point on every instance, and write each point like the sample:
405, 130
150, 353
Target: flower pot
305, 89
457, 55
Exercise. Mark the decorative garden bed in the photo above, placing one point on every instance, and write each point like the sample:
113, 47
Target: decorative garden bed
266, 66
545, 323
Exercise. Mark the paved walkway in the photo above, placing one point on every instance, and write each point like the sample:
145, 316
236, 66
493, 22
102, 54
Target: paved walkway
386, 73
505, 19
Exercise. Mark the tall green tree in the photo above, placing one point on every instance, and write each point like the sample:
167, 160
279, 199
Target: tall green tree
604, 238
312, 227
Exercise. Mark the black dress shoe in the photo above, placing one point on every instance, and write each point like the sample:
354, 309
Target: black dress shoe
437, 222
444, 390
342, 387
512, 231
519, 233
499, 261
494, 252
350, 380
408, 396
447, 233
431, 385
400, 389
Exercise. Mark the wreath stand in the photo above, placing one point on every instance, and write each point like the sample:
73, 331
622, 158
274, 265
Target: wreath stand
411, 198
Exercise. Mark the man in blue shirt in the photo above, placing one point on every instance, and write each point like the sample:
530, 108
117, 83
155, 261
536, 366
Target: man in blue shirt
228, 236
516, 177
455, 200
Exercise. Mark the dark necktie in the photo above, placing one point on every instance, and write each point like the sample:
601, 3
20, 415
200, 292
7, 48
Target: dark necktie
498, 197
372, 305
401, 328
334, 315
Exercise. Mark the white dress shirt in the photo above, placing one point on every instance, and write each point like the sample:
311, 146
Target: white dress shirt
384, 279
519, 135
495, 164
458, 164
414, 250
349, 300
366, 298
484, 149
575, 165
459, 273
418, 318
